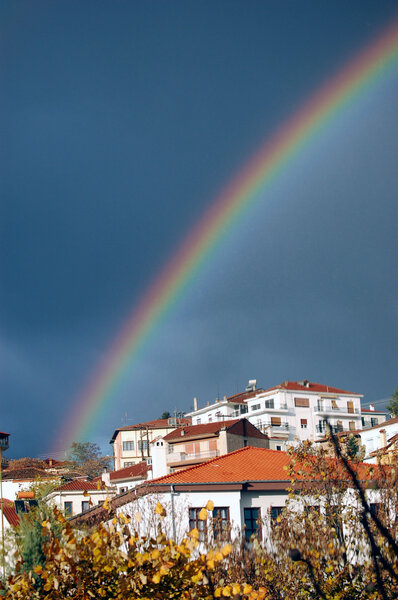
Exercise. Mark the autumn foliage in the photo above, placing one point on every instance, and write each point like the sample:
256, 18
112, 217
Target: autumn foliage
345, 551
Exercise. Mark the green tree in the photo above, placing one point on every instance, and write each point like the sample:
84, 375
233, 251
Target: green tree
393, 405
86, 457
165, 415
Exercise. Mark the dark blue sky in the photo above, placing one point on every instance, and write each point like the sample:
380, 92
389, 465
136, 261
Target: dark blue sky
120, 122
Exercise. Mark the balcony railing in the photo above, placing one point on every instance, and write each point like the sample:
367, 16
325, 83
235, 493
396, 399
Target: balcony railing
321, 428
329, 408
182, 456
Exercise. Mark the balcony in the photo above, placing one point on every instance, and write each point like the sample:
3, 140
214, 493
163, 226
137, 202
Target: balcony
274, 428
176, 458
326, 408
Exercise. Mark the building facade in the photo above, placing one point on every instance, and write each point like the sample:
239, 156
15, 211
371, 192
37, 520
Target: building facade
289, 412
132, 443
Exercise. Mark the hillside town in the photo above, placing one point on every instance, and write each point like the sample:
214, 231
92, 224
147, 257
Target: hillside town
233, 449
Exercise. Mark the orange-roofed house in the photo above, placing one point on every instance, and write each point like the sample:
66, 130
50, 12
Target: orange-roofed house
289, 412
248, 489
132, 443
194, 444
79, 495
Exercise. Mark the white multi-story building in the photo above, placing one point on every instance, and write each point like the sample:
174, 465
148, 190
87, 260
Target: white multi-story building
289, 412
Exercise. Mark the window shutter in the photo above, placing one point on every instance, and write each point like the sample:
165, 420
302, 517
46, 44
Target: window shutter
350, 406
302, 402
276, 421
304, 421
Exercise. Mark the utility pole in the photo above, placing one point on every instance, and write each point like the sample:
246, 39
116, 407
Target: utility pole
3, 446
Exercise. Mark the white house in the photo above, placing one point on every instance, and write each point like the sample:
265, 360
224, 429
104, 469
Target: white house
291, 411
377, 438
248, 488
78, 495
129, 477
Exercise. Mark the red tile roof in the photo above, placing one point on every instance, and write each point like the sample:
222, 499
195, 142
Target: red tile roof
246, 464
308, 386
30, 473
155, 424
374, 412
243, 396
140, 470
78, 485
10, 513
203, 429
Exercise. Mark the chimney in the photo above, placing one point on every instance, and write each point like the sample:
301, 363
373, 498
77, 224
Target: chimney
383, 438
195, 403
371, 406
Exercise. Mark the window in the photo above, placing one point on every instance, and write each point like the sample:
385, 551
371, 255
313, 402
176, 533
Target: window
302, 402
276, 421
85, 505
373, 422
198, 421
171, 448
128, 446
143, 445
303, 423
194, 521
350, 406
243, 409
279, 447
334, 405
269, 403
128, 464
210, 419
255, 406
221, 523
123, 490
276, 511
68, 509
252, 522
351, 425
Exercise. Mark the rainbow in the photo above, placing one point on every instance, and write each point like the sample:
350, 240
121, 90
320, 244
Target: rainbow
224, 213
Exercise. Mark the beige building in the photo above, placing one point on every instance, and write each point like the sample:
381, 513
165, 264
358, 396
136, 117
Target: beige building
132, 443
195, 444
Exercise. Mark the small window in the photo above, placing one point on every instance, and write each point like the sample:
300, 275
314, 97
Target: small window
279, 447
68, 509
269, 403
85, 505
303, 423
128, 446
128, 464
255, 406
194, 521
210, 419
373, 422
351, 425
276, 511
171, 448
252, 522
350, 406
221, 528
198, 421
143, 445
276, 421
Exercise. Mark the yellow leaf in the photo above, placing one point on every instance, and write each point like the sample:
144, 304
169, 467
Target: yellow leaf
217, 592
219, 556
106, 504
227, 591
156, 578
159, 510
236, 589
210, 505
202, 514
227, 549
85, 493
38, 569
155, 554
99, 484
247, 588
194, 533
210, 564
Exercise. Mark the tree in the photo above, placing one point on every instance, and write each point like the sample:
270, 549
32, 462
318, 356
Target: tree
86, 458
393, 405
165, 415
